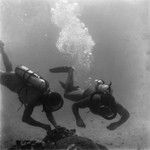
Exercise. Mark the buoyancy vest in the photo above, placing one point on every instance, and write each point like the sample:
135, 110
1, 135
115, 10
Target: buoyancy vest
31, 78
105, 106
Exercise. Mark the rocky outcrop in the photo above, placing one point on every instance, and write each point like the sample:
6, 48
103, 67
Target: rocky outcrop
80, 143
63, 139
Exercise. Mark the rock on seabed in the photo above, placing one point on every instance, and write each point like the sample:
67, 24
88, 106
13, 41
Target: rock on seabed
63, 139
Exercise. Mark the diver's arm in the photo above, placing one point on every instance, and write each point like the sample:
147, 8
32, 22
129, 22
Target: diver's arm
75, 108
124, 114
5, 58
51, 119
29, 120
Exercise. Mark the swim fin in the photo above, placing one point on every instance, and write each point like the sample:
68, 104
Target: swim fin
60, 69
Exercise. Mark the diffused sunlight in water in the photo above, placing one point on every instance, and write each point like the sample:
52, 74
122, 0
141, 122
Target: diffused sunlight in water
0, 67
104, 34
74, 38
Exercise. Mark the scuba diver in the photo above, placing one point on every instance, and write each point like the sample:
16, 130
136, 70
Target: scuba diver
99, 99
32, 91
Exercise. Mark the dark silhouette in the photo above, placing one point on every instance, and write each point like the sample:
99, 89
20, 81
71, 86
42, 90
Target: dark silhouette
32, 91
99, 100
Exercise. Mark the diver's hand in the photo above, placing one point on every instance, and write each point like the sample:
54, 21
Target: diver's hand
47, 128
80, 123
113, 126
58, 127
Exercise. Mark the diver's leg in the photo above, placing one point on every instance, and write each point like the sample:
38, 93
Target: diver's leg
74, 96
6, 61
71, 92
70, 81
69, 84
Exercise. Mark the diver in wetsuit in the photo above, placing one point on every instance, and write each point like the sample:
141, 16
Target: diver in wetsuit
32, 90
99, 100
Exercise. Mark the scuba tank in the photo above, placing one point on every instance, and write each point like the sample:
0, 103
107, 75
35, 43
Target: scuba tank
107, 106
31, 78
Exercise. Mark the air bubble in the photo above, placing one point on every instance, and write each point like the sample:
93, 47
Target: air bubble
74, 39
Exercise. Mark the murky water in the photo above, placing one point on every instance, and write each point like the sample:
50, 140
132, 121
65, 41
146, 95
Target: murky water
120, 30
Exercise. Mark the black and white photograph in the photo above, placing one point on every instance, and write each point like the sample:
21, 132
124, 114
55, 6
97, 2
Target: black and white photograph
75, 74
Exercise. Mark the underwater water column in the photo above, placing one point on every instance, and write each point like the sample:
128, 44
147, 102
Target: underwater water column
74, 40
0, 66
